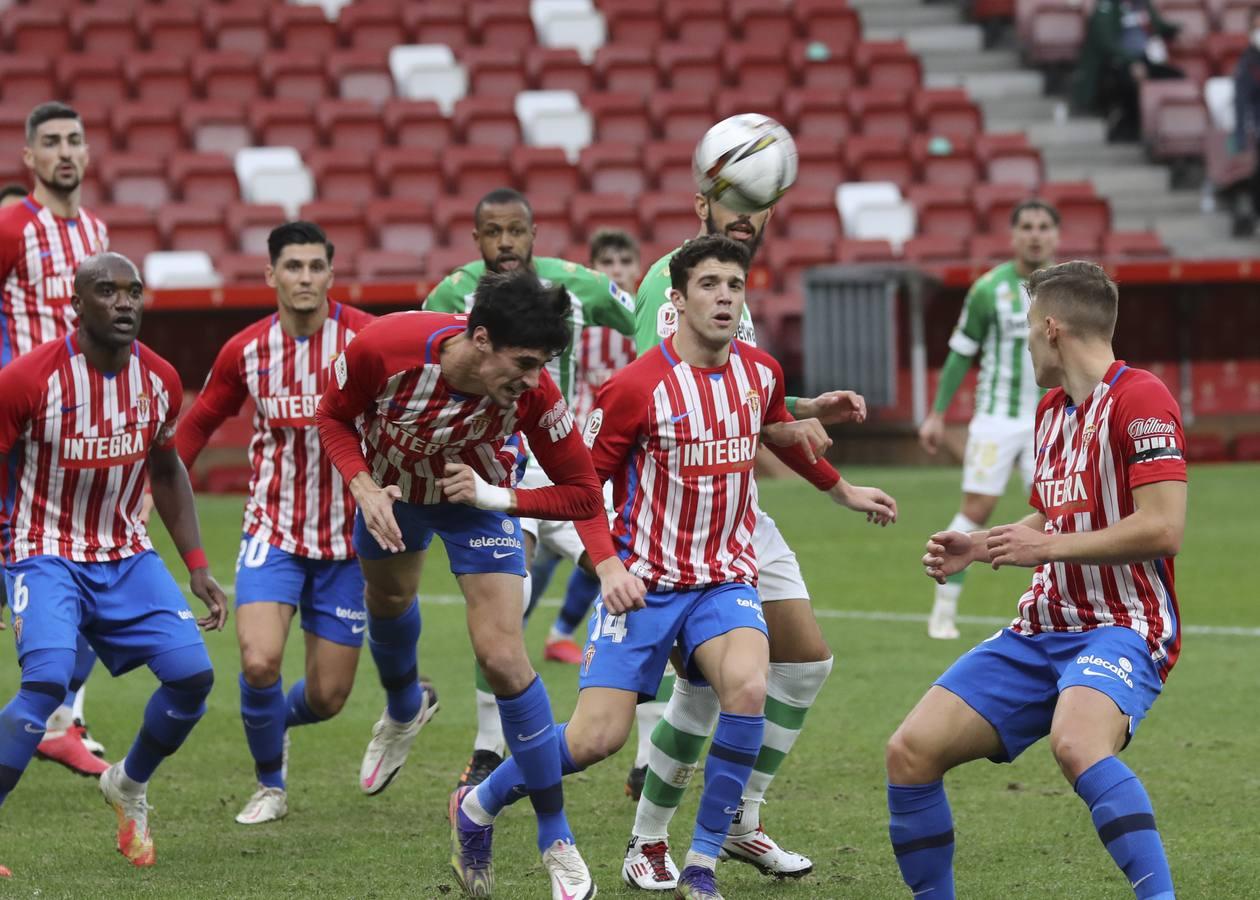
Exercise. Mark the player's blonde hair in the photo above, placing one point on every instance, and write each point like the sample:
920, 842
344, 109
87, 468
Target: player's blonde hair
1079, 294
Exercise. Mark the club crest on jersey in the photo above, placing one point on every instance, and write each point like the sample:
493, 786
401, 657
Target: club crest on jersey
1088, 435
142, 406
588, 656
666, 320
477, 426
17, 629
753, 400
558, 421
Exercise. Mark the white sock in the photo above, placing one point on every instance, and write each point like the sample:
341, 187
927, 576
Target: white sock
692, 709
489, 725
78, 703
474, 810
699, 859
945, 602
558, 634
61, 719
646, 715
127, 785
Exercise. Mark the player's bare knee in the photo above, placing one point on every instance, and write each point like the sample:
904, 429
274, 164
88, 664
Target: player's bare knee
386, 603
506, 668
746, 695
261, 670
591, 740
327, 698
907, 762
1075, 753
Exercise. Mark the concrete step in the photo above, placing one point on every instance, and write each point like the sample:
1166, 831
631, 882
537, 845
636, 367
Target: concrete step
960, 63
904, 16
865, 5
1070, 133
1153, 206
985, 85
950, 38
1018, 109
1113, 181
1106, 156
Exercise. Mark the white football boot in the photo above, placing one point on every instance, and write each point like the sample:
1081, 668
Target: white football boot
648, 865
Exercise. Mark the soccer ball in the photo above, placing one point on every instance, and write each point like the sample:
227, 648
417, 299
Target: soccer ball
746, 162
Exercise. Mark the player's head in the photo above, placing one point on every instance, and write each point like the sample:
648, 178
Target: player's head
503, 227
747, 228
109, 299
616, 254
707, 277
12, 193
1034, 233
301, 266
1073, 305
517, 325
56, 149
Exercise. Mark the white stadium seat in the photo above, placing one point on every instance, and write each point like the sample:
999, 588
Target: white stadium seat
274, 175
892, 222
180, 269
853, 195
1218, 94
428, 72
569, 23
554, 119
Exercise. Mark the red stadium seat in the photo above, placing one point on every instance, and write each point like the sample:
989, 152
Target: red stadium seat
1055, 33
540, 171
372, 25
342, 222
1178, 127
1134, 245
790, 258
589, 212
36, 31
989, 249
889, 64
303, 29
551, 215
689, 67
205, 178
756, 65
755, 100
360, 75
627, 68
879, 158
493, 73
239, 27
251, 223
442, 261
454, 217
174, 30
411, 172
147, 128
699, 23
943, 209
634, 22
1081, 211
682, 115
487, 120
241, 269
403, 226
1247, 447
835, 72
476, 170
768, 23
136, 180
133, 230
947, 111
883, 112
807, 215
1206, 448
433, 23
26, 81
818, 112
619, 117
105, 30
216, 126
284, 123
499, 24
668, 217
936, 248
227, 76
864, 251
1193, 61
417, 123
994, 203
828, 22
668, 165
385, 265
354, 125
295, 76
13, 139
1191, 18
92, 80
1009, 159
949, 162
1079, 246
343, 175
558, 69
613, 167
820, 164
189, 226
159, 78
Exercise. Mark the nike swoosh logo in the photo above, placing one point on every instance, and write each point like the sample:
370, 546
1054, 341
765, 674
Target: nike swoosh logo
922, 892
678, 418
729, 811
503, 554
31, 730
1140, 880
183, 717
264, 370
66, 409
1088, 671
358, 629
249, 724
526, 738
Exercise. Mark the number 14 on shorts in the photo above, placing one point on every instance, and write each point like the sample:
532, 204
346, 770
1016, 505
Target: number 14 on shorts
608, 625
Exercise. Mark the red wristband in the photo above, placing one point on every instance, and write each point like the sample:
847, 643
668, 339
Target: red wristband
196, 559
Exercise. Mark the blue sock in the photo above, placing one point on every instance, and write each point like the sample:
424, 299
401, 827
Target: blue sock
393, 646
922, 830
45, 674
263, 715
506, 784
175, 707
298, 711
84, 659
530, 731
1125, 821
579, 593
736, 743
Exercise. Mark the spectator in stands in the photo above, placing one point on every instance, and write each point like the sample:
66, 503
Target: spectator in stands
1124, 46
1247, 125
13, 193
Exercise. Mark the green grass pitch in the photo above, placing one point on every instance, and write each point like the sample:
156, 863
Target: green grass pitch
1021, 830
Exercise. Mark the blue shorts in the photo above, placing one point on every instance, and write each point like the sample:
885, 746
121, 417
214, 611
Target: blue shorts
478, 541
130, 610
629, 652
1014, 680
328, 592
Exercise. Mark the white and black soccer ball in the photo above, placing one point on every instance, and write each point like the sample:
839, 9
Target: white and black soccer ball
746, 162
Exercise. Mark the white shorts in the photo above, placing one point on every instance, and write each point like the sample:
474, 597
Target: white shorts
560, 537
994, 445
778, 572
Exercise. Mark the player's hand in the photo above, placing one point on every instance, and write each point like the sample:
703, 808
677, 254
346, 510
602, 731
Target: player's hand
879, 507
948, 553
620, 591
931, 432
806, 433
1017, 545
461, 484
205, 587
833, 408
377, 505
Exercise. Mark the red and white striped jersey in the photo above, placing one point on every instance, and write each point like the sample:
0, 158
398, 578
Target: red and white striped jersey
297, 500
602, 352
77, 443
414, 423
39, 253
1090, 457
679, 443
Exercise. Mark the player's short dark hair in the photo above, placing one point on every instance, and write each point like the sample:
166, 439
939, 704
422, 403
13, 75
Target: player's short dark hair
46, 112
1079, 293
518, 311
612, 239
697, 250
502, 197
298, 232
13, 189
1034, 205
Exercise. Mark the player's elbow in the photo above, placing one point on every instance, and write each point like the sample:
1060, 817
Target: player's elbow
1168, 539
591, 502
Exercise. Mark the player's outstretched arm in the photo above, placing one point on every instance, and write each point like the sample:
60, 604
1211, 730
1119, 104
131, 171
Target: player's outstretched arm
377, 505
832, 408
807, 436
880, 508
173, 499
949, 552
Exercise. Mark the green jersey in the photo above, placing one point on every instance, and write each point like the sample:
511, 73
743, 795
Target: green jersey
655, 317
596, 301
994, 323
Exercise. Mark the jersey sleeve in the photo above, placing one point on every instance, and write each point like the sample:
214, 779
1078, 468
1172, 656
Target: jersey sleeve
603, 301
10, 242
358, 377
654, 316
1147, 435
973, 323
556, 442
174, 387
820, 473
1042, 420
221, 398
446, 297
18, 397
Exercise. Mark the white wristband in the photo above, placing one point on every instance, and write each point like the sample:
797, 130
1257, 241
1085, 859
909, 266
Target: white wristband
489, 496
